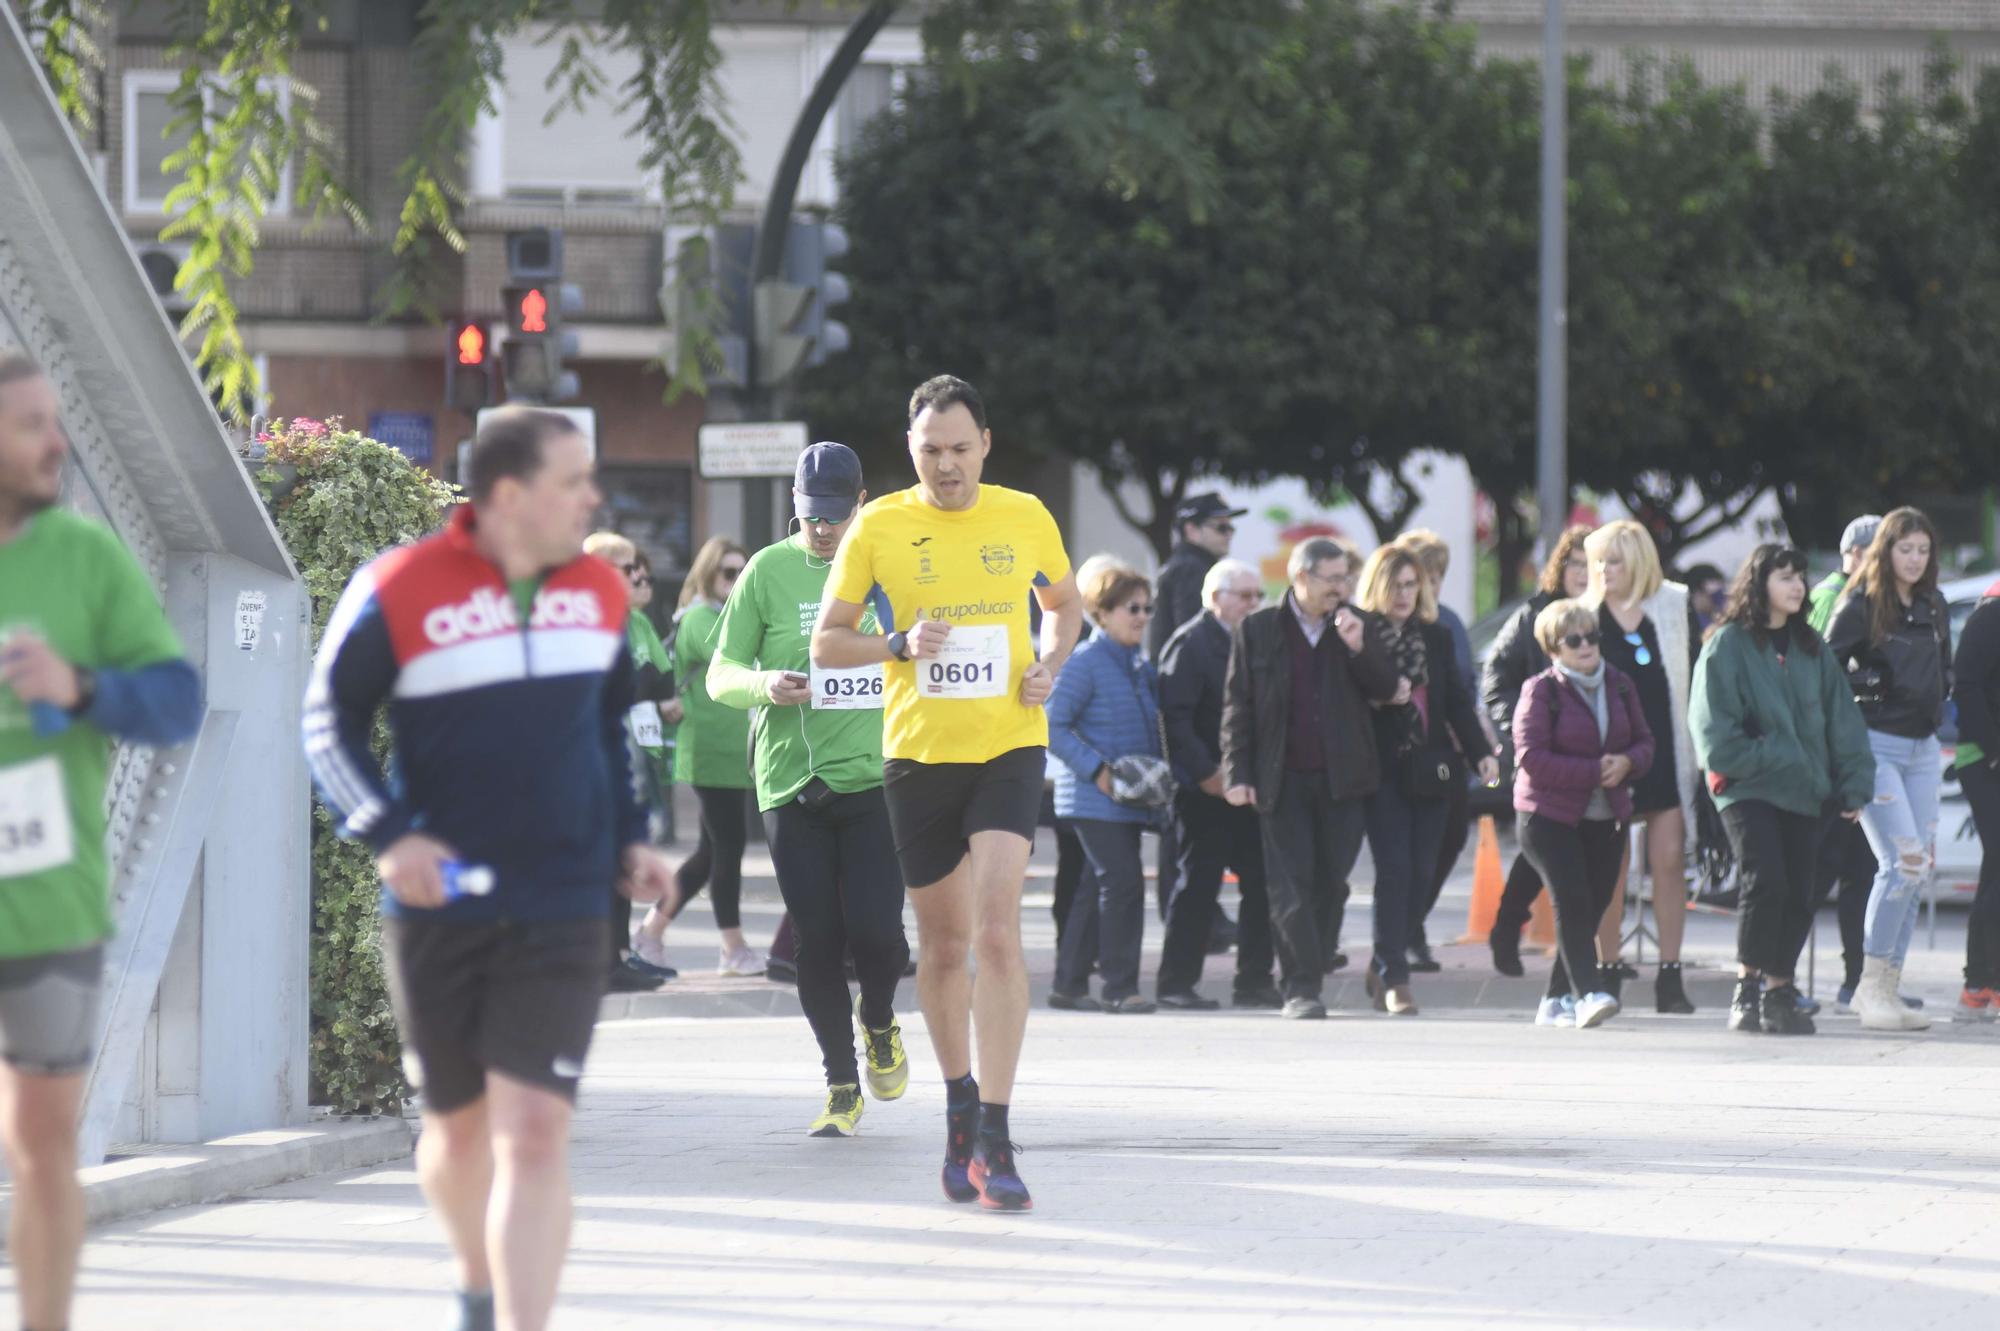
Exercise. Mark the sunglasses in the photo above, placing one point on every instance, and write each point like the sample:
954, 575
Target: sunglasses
1573, 641
1139, 608
636, 573
1641, 654
1224, 528
729, 572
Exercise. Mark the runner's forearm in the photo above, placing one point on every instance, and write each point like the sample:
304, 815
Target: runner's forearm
1060, 629
736, 685
158, 704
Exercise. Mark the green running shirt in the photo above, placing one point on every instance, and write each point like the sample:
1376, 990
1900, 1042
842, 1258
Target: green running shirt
767, 627
72, 581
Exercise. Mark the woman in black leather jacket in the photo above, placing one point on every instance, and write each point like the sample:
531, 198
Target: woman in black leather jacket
1515, 659
1893, 635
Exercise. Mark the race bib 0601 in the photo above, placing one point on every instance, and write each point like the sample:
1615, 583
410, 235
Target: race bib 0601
855, 689
35, 834
973, 664
645, 722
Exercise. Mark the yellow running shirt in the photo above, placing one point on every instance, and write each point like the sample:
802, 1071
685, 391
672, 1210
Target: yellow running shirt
975, 569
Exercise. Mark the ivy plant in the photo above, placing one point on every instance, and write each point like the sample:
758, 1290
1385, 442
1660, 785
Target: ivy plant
339, 499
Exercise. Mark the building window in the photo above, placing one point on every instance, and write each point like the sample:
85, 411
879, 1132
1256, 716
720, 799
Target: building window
870, 90
148, 113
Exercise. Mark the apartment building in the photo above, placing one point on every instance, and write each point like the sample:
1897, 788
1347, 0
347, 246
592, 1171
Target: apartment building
310, 304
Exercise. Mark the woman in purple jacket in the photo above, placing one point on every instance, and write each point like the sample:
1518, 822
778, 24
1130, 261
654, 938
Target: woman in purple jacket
1580, 740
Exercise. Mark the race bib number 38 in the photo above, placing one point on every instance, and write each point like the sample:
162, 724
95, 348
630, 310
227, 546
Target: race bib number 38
973, 664
855, 689
34, 819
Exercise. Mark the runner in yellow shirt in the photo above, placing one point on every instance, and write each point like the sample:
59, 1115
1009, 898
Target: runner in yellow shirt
948, 566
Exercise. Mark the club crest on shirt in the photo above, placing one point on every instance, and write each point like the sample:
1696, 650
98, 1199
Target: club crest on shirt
998, 559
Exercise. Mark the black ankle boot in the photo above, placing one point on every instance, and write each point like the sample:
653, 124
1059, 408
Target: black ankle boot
1668, 994
1746, 1007
1782, 1015
1506, 944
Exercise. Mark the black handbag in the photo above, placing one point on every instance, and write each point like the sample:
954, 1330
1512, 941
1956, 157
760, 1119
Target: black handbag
1426, 773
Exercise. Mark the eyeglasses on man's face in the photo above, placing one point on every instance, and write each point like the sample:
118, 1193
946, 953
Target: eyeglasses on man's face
1247, 593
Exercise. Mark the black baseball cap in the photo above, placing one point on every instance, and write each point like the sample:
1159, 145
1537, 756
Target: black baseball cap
1206, 508
827, 483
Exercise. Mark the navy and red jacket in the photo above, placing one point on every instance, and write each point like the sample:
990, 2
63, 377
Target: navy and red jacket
508, 740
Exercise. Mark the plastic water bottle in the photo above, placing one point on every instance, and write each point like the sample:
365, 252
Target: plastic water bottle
465, 880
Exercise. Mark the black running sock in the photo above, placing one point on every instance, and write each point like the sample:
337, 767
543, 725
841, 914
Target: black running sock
992, 1121
961, 1092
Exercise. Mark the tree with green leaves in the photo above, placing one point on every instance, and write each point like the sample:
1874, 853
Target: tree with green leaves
1330, 302
234, 55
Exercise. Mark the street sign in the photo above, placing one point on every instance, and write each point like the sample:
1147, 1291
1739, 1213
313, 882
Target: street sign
585, 418
410, 433
744, 449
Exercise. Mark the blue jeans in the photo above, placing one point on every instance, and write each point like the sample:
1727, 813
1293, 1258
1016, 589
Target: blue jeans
1901, 823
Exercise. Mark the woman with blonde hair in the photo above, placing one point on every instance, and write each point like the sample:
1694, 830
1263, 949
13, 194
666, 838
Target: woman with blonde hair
1413, 738
1580, 739
1651, 636
713, 756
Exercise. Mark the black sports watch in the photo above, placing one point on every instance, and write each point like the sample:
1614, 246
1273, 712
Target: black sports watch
86, 690
899, 645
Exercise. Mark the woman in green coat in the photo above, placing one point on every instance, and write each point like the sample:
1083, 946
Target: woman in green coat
1776, 728
712, 754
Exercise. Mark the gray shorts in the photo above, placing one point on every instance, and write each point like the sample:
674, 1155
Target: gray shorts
48, 1010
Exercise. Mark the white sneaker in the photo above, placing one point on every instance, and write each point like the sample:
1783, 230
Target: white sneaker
651, 950
1559, 1011
1594, 1010
742, 961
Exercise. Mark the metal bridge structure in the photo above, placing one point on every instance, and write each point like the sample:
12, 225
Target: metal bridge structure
203, 1031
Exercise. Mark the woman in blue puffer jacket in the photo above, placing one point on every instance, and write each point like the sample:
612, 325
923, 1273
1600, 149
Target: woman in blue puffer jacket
1105, 706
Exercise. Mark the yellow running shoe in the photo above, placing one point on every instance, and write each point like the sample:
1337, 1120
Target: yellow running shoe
843, 1112
888, 1066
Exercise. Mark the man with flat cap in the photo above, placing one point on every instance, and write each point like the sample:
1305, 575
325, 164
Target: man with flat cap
1204, 524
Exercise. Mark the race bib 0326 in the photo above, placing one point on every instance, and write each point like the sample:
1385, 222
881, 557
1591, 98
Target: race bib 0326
855, 689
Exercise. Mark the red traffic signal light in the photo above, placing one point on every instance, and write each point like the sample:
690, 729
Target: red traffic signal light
531, 312
470, 341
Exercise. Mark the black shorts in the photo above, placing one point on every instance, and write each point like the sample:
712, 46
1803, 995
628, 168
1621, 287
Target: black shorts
518, 997
934, 808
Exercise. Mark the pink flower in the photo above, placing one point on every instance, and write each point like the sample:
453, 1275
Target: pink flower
305, 425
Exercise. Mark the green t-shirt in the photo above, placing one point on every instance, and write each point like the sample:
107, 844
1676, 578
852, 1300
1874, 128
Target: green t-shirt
766, 628
713, 744
1825, 599
72, 581
643, 641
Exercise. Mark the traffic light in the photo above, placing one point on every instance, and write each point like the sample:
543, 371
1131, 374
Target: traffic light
537, 300
468, 372
794, 325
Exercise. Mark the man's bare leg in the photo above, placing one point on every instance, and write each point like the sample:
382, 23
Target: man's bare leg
38, 1128
527, 1221
944, 980
998, 864
455, 1167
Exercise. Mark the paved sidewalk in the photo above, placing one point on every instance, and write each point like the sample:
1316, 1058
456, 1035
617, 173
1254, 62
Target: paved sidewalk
1234, 1171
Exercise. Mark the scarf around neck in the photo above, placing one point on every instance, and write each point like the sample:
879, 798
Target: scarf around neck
1594, 692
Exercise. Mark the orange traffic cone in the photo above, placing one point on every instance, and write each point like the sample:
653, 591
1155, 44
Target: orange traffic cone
1488, 882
